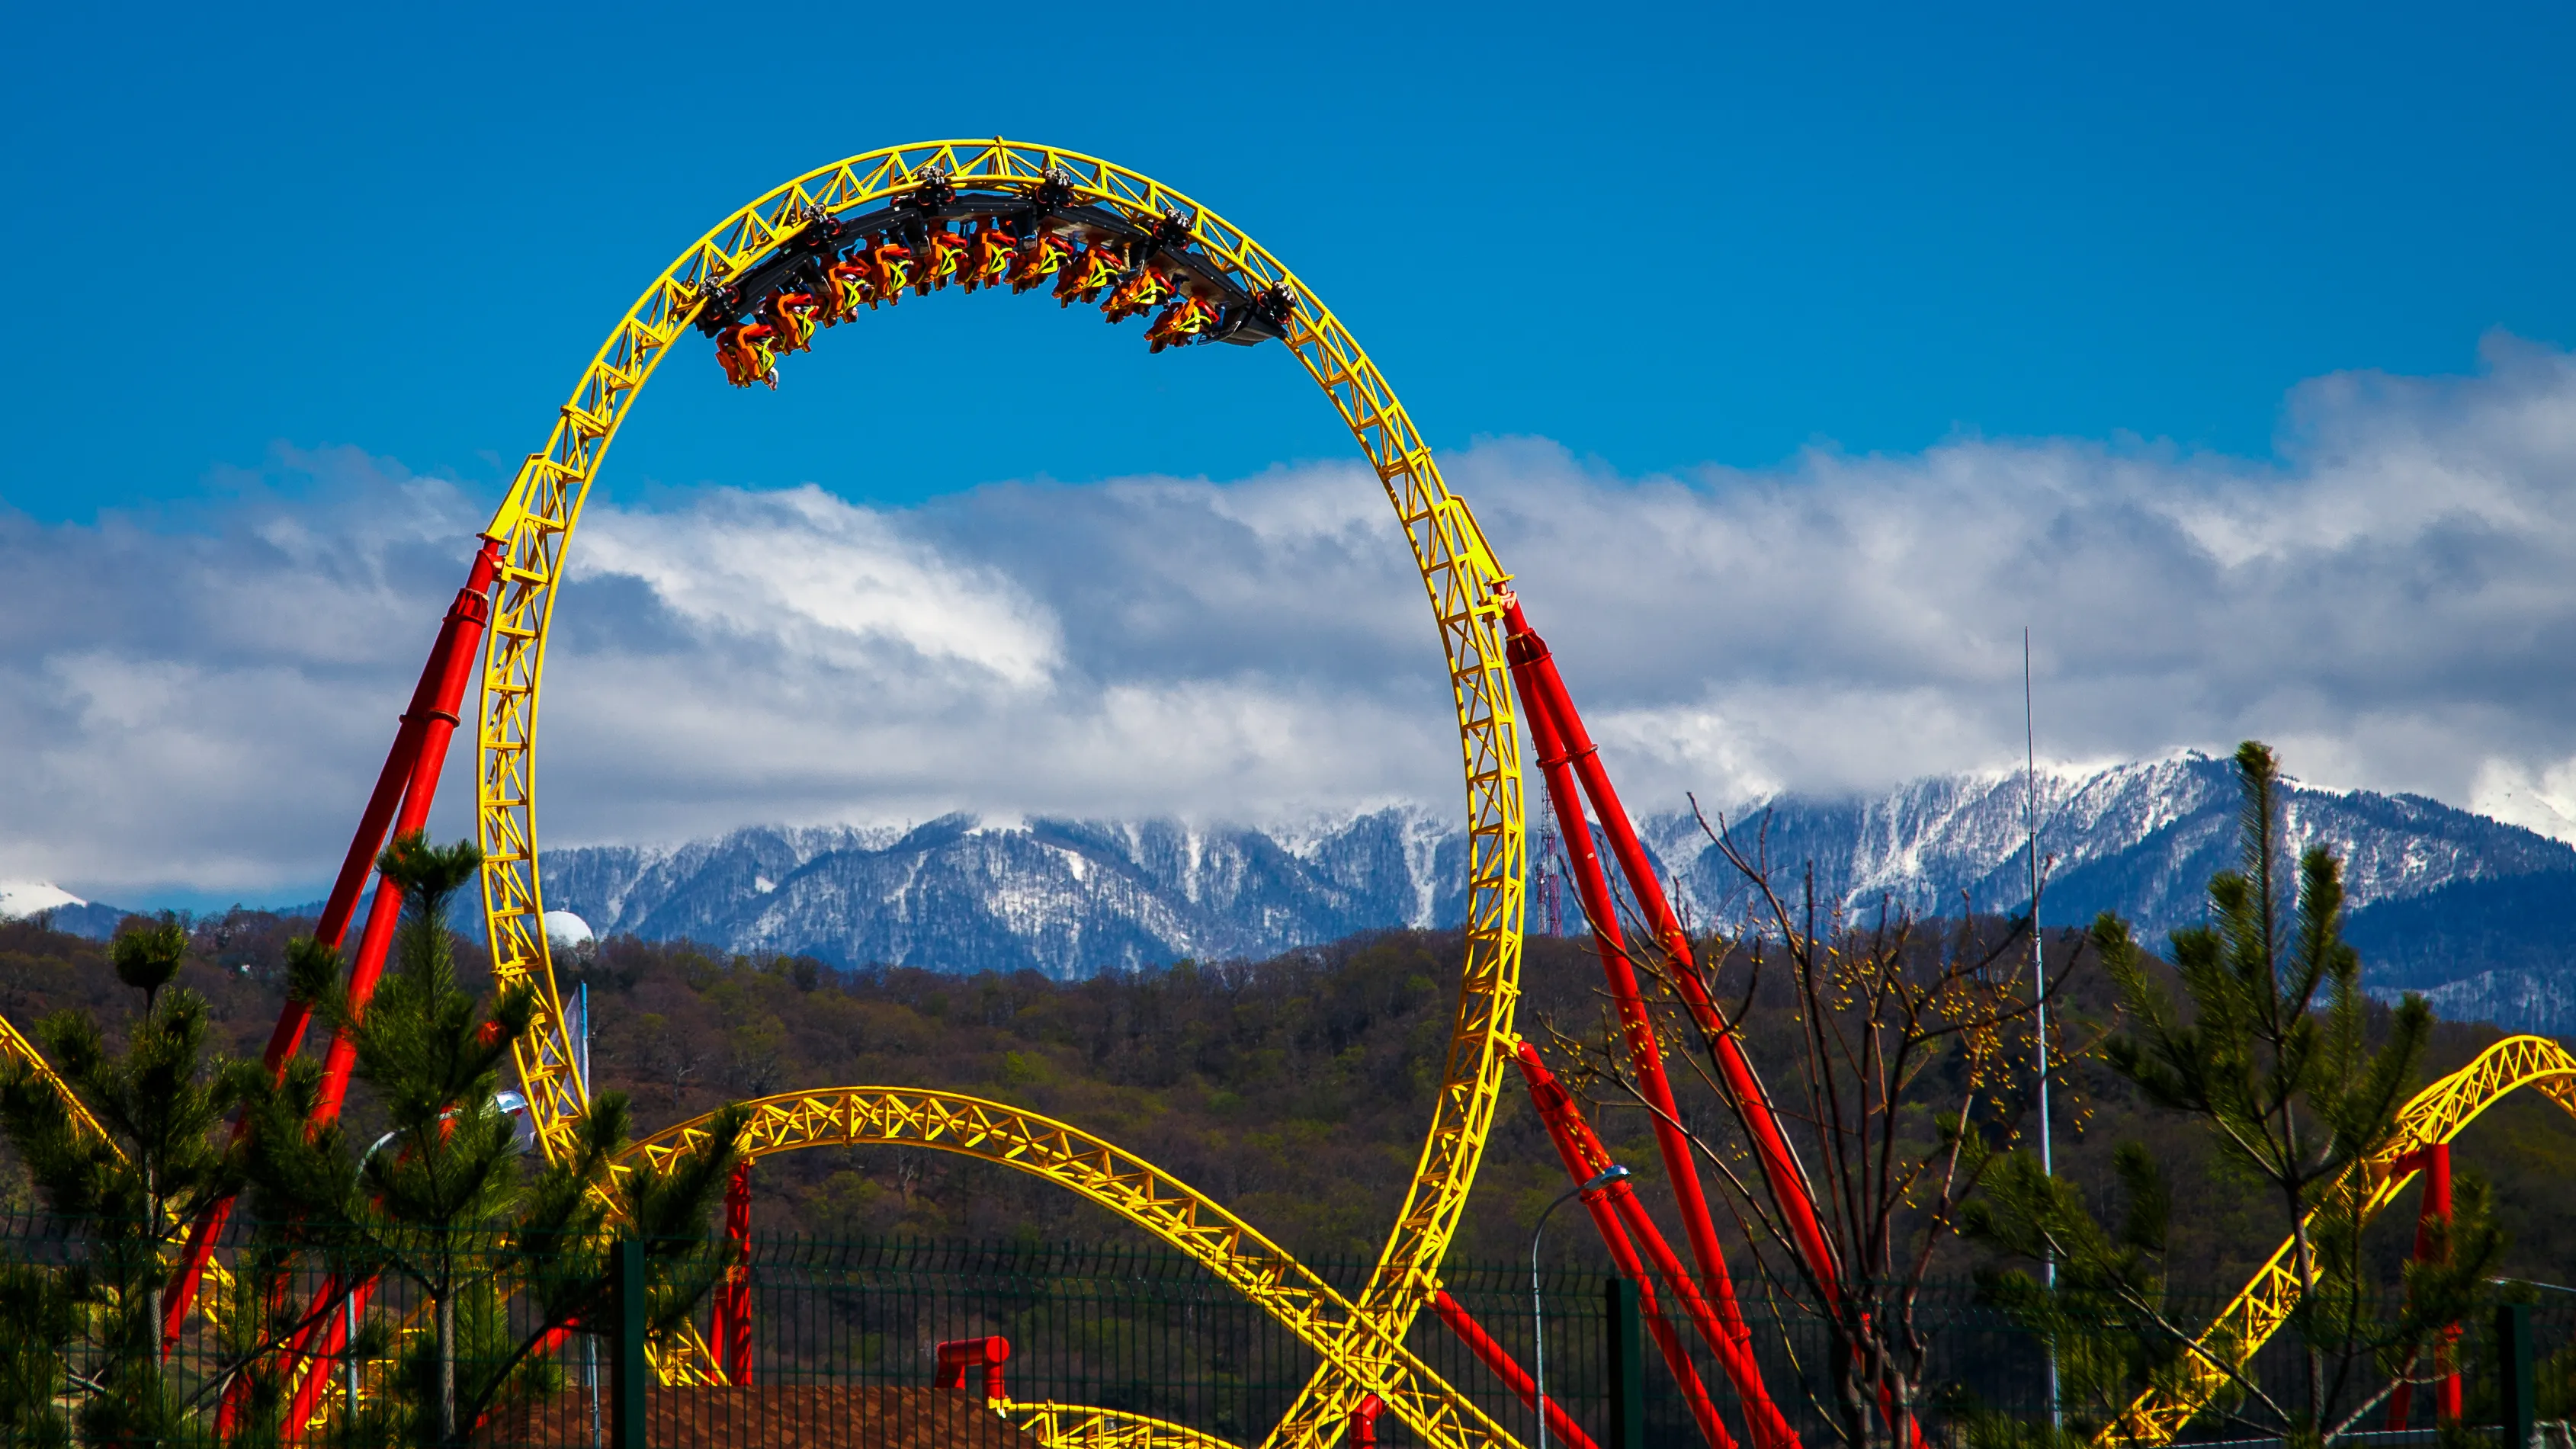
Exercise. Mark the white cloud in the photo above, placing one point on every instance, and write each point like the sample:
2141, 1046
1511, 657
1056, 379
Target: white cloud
203, 700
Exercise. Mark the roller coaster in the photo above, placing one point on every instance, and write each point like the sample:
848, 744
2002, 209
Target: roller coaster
866, 232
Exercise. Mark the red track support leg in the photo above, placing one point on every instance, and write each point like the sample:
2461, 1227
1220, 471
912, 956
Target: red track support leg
733, 1295
1543, 693
1584, 1159
406, 784
1560, 1425
2435, 1162
1728, 1339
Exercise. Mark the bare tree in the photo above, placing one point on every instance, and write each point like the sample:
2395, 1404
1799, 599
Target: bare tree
1908, 1056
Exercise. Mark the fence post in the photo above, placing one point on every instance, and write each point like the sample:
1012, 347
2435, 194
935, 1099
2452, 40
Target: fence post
2514, 1397
1627, 1369
628, 1374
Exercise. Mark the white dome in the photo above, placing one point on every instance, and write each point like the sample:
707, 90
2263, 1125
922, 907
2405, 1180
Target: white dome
563, 928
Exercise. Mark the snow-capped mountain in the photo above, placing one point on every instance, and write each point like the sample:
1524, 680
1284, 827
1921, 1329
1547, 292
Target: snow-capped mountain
1068, 898
23, 899
2442, 899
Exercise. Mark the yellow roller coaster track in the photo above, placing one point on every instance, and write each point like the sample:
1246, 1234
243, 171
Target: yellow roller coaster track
1372, 1352
1070, 1426
535, 525
2436, 1114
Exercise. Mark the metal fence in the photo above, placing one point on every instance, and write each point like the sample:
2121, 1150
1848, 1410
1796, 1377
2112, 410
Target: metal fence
845, 1347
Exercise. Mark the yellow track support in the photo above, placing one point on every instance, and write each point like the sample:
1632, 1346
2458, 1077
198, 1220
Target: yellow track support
535, 525
1371, 1353
2437, 1114
1072, 1426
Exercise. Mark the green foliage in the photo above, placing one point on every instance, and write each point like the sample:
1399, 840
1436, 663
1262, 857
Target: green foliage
2273, 1050
446, 1197
157, 1103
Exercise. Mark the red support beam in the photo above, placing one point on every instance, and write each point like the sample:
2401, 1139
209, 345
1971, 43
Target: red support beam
1543, 695
2434, 1161
1584, 1160
1645, 1052
1494, 1356
1727, 1337
733, 1295
979, 1358
406, 784
1363, 1422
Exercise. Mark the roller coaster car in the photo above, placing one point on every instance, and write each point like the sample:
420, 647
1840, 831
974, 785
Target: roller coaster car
989, 254
1137, 293
747, 355
889, 267
1095, 271
791, 316
942, 253
1042, 255
846, 284
1189, 319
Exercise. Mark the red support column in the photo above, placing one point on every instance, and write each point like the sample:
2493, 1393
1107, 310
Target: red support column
2434, 1161
1543, 691
460, 642
1492, 1355
1363, 1424
733, 1295
960, 1359
1730, 1341
435, 698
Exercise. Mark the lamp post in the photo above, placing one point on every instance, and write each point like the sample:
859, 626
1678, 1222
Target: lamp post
1538, 1316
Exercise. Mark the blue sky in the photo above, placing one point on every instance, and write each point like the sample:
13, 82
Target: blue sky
1657, 237
1795, 362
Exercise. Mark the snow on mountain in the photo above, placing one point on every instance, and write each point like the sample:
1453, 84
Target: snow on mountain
22, 898
2141, 839
1067, 898
2442, 900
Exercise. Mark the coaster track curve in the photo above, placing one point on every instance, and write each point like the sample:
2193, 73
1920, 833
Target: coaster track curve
533, 528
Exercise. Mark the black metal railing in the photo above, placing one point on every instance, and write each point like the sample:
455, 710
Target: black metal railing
548, 1344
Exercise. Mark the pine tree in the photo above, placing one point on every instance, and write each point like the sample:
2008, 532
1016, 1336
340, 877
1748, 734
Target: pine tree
135, 1181
446, 1197
2270, 1049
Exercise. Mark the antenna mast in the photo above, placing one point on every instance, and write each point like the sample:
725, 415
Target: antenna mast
2038, 965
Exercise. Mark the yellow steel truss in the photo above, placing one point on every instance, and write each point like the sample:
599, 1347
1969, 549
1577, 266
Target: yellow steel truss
2436, 1114
1371, 1351
1072, 1426
1460, 575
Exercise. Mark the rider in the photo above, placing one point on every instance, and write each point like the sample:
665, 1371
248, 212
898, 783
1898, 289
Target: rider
1040, 255
1187, 320
848, 283
889, 271
1138, 294
939, 261
791, 314
747, 355
1087, 276
988, 260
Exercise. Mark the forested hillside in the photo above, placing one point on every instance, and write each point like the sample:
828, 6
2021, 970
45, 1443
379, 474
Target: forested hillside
1294, 1089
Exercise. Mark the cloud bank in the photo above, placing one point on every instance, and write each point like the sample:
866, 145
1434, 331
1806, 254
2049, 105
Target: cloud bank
201, 699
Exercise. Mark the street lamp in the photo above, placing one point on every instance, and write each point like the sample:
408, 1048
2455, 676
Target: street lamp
1538, 1317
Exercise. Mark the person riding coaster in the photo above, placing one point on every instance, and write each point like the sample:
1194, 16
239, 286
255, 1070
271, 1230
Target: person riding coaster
846, 283
889, 267
1137, 295
1189, 319
747, 355
940, 260
791, 314
988, 257
1094, 272
1037, 258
